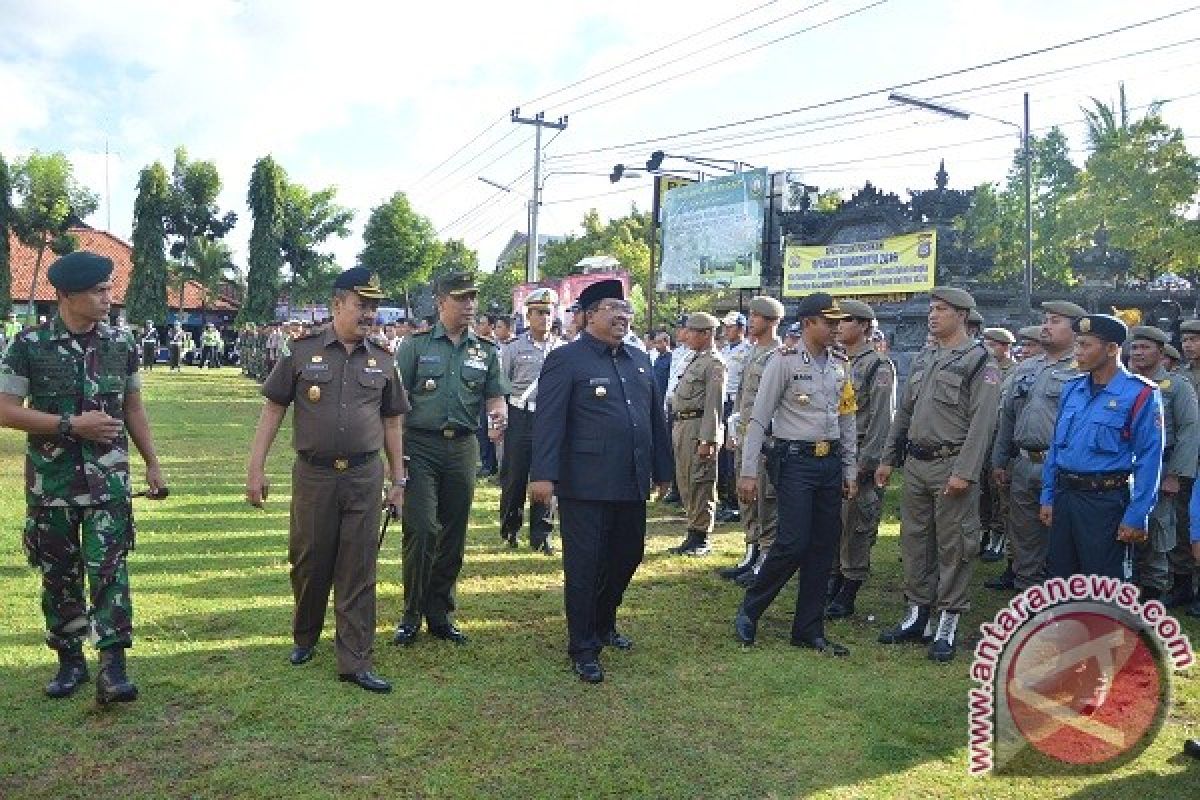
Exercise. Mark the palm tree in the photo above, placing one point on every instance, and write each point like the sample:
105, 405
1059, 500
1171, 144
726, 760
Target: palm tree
1109, 126
207, 262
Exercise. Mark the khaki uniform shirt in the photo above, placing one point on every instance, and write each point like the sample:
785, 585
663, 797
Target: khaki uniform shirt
1181, 424
340, 398
756, 363
521, 364
447, 382
1029, 406
701, 387
876, 401
803, 400
950, 400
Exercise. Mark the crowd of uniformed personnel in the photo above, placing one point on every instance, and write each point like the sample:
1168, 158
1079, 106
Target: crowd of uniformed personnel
1040, 448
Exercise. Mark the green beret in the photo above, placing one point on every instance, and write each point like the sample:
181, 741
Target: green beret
1064, 308
958, 298
1190, 326
767, 307
701, 321
1103, 326
1150, 333
1001, 335
856, 309
1033, 332
1171, 352
80, 270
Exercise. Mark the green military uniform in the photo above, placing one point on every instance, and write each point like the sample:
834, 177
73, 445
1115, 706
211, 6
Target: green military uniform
873, 377
697, 406
760, 517
447, 385
994, 498
1183, 565
1181, 421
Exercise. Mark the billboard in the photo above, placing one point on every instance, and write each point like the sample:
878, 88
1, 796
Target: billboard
713, 233
879, 266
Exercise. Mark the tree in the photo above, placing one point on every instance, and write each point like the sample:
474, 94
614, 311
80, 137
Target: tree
51, 202
496, 287
399, 245
6, 222
1138, 183
309, 219
455, 256
209, 264
265, 263
146, 297
192, 211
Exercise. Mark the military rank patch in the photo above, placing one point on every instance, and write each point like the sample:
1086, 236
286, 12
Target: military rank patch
317, 359
1164, 384
314, 394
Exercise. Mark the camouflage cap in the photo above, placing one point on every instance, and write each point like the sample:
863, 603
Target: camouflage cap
1001, 335
959, 298
1190, 326
702, 321
1149, 333
1031, 332
1064, 308
1171, 352
767, 307
857, 309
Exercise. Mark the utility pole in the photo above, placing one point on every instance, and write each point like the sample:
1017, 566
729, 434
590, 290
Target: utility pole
538, 122
1027, 157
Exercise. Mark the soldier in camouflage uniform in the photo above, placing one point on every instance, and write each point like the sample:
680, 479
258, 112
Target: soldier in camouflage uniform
80, 376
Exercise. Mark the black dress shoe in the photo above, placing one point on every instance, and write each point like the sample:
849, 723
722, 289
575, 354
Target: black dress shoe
366, 680
822, 645
406, 634
617, 640
747, 579
744, 628
509, 539
448, 632
589, 671
301, 655
543, 547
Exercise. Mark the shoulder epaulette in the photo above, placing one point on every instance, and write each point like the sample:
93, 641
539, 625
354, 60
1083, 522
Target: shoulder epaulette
1145, 380
422, 333
785, 350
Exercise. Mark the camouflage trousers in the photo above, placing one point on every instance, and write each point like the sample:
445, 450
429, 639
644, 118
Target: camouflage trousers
64, 543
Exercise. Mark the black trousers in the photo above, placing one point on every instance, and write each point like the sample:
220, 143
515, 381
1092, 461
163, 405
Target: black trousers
514, 480
487, 448
726, 469
208, 357
810, 529
602, 546
1083, 538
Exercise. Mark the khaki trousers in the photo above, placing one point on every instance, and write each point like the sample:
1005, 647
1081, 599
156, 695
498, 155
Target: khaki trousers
939, 536
697, 477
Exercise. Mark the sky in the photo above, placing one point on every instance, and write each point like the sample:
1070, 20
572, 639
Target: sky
375, 97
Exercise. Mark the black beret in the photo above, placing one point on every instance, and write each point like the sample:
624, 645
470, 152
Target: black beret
80, 270
601, 290
361, 281
1103, 326
819, 304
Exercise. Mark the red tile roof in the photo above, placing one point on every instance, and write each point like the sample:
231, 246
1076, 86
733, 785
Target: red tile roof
22, 260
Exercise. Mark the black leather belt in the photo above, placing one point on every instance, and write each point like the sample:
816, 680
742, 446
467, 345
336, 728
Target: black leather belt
1093, 481
694, 414
340, 462
821, 449
1035, 456
932, 453
444, 433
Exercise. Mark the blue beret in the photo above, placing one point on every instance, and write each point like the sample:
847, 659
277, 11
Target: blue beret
1102, 326
80, 270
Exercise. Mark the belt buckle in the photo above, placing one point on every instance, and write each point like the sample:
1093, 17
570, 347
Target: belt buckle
447, 433
821, 449
341, 464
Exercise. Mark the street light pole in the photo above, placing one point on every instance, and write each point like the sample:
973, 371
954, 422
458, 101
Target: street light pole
1027, 163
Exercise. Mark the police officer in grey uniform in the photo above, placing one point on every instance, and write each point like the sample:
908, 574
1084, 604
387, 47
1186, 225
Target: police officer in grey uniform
521, 362
807, 398
1181, 428
1027, 414
874, 380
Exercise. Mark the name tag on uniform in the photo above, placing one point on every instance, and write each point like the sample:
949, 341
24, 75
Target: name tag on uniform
803, 377
430, 360
474, 363
316, 367
373, 370
599, 381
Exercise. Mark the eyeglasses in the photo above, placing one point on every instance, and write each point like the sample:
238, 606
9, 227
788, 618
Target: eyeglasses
615, 305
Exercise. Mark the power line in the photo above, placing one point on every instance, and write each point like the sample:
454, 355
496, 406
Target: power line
448, 158
879, 90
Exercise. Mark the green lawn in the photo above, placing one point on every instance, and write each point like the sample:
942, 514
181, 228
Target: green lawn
686, 713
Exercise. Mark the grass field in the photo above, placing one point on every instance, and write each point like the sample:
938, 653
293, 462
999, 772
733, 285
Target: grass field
686, 713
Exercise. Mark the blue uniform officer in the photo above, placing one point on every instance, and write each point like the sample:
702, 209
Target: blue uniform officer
1109, 428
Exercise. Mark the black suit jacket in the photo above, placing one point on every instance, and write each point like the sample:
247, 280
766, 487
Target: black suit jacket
599, 432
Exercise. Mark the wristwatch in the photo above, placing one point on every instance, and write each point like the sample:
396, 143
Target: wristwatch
64, 424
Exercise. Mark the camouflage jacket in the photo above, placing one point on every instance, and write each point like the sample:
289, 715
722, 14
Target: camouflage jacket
65, 374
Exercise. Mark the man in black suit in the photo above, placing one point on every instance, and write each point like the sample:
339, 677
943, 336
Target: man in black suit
599, 439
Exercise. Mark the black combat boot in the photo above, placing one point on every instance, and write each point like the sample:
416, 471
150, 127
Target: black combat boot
909, 629
112, 684
747, 563
842, 606
748, 578
945, 641
690, 541
700, 547
833, 586
995, 547
72, 671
